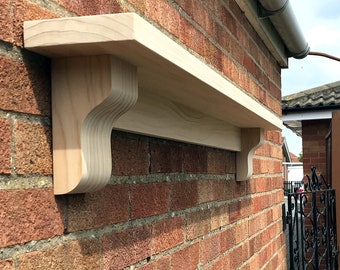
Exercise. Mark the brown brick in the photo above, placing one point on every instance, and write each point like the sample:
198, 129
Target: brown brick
240, 209
166, 158
241, 231
124, 248
210, 248
216, 162
198, 224
219, 216
5, 147
129, 156
148, 199
33, 149
27, 215
94, 210
231, 162
195, 159
161, 264
7, 264
80, 254
213, 190
183, 194
187, 258
25, 88
167, 234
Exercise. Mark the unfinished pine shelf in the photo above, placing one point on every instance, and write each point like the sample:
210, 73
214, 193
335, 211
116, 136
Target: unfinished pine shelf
119, 71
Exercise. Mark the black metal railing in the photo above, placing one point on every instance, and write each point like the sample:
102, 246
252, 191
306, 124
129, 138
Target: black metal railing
311, 219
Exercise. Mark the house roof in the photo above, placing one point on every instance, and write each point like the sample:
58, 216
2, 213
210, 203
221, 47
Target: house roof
312, 104
319, 98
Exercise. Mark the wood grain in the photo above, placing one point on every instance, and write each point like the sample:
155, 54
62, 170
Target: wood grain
88, 95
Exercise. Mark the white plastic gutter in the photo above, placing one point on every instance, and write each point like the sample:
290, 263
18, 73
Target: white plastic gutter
283, 18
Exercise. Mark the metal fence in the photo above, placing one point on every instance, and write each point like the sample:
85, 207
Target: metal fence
310, 217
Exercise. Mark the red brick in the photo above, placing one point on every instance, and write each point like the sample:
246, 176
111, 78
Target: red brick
249, 64
5, 147
192, 37
198, 224
80, 254
195, 159
94, 210
187, 258
167, 234
129, 156
161, 264
166, 158
149, 199
33, 149
210, 248
237, 257
183, 194
25, 11
228, 239
7, 264
25, 88
6, 29
90, 7
222, 263
124, 248
27, 215
187, 6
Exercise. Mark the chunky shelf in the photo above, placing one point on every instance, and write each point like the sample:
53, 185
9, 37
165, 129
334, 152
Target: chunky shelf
119, 71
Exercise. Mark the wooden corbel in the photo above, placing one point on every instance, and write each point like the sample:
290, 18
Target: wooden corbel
95, 64
251, 139
89, 93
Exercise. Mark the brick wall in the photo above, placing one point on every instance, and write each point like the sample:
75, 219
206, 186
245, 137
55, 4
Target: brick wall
314, 145
169, 205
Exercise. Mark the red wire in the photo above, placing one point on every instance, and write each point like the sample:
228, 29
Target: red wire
325, 55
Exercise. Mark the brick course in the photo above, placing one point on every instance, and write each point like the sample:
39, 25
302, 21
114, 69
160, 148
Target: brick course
27, 215
82, 254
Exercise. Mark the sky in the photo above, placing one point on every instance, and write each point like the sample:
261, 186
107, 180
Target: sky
320, 24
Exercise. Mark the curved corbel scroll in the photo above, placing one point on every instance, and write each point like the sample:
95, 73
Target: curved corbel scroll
89, 94
251, 139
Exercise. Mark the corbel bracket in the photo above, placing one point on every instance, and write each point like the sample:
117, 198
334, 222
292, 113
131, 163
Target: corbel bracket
89, 94
251, 139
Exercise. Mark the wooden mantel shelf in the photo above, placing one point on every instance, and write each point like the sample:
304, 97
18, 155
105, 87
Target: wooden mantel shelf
119, 71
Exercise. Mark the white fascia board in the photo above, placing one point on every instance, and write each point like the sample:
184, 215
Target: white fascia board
301, 116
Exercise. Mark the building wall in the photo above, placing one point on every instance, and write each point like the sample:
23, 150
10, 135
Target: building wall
314, 145
169, 205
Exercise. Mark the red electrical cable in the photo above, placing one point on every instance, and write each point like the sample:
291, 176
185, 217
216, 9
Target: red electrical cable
325, 55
